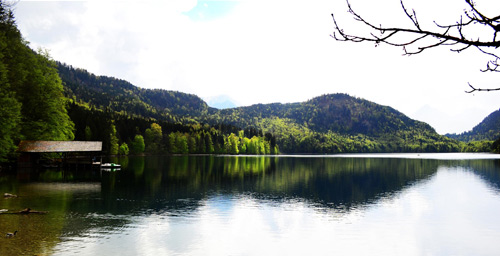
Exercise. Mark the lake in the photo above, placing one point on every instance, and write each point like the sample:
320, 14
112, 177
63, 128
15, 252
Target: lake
358, 204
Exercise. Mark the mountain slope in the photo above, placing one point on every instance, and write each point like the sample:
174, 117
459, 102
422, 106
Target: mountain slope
337, 123
118, 95
488, 129
326, 124
338, 113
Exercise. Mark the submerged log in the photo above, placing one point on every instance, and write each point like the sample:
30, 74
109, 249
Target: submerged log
25, 211
28, 210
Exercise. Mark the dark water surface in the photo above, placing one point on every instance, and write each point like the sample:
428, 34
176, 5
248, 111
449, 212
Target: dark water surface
411, 204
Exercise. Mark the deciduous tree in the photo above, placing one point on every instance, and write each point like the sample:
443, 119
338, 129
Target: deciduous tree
137, 145
32, 105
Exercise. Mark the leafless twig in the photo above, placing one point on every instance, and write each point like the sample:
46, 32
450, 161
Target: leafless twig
421, 39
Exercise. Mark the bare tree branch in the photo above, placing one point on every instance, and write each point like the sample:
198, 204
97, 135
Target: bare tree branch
481, 90
422, 39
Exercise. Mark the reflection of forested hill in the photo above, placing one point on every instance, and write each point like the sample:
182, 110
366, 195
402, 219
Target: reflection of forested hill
488, 170
159, 182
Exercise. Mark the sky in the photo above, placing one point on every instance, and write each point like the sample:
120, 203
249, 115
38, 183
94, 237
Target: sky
267, 51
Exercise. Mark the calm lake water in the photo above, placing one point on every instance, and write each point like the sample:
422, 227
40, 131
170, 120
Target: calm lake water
386, 204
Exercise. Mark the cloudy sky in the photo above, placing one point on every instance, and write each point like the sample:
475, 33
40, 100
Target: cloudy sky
265, 51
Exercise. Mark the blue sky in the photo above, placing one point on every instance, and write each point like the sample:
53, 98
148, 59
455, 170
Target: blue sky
256, 51
210, 10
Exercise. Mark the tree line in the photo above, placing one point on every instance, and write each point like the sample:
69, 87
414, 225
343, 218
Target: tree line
124, 134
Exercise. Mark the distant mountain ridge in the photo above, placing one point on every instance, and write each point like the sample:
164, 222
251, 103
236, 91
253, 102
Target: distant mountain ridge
325, 124
221, 102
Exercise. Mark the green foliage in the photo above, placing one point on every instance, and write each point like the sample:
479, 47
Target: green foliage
479, 146
137, 145
179, 143
231, 144
113, 141
153, 138
123, 150
495, 147
339, 113
10, 108
270, 134
43, 104
32, 105
336, 123
116, 95
10, 117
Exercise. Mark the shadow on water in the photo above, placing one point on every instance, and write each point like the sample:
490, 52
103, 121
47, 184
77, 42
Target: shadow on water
88, 204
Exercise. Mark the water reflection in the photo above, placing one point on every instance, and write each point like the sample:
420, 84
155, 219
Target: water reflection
176, 205
334, 182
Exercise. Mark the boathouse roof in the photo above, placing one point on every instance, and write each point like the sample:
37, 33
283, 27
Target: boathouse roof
30, 146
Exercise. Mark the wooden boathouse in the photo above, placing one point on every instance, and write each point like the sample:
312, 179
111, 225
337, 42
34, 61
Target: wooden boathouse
72, 154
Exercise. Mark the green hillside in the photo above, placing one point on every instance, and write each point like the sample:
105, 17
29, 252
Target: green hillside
488, 129
333, 123
338, 113
337, 123
118, 95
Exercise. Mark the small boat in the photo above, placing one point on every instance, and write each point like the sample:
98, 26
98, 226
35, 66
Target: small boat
110, 169
110, 165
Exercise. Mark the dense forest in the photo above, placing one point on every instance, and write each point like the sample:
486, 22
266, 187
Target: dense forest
124, 116
41, 99
32, 104
338, 123
117, 95
335, 123
123, 134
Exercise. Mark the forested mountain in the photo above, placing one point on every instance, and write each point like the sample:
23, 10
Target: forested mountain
118, 95
326, 124
488, 129
338, 113
337, 123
